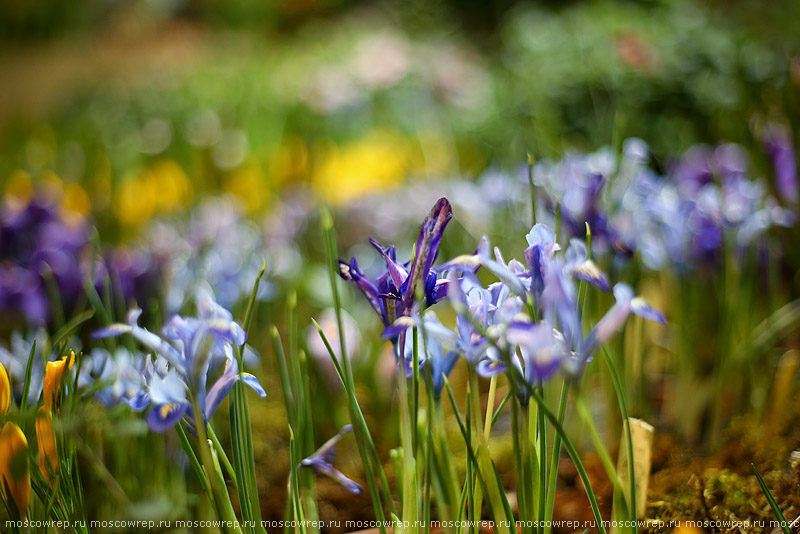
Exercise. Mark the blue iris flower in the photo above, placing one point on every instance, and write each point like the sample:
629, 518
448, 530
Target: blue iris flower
322, 462
626, 303
113, 377
189, 349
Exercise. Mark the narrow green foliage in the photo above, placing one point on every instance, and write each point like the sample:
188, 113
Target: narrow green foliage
62, 334
623, 409
366, 447
26, 387
242, 433
193, 461
772, 503
369, 454
576, 459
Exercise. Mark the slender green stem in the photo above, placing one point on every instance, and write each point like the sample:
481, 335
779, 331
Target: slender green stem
366, 447
623, 408
218, 494
605, 458
553, 473
414, 391
500, 407
542, 435
221, 453
369, 454
772, 503
527, 475
575, 457
532, 187
522, 488
410, 488
476, 435
187, 447
294, 485
428, 471
487, 424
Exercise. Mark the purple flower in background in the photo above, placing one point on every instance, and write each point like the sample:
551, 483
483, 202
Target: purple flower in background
576, 184
539, 254
22, 290
133, 273
779, 147
321, 462
35, 244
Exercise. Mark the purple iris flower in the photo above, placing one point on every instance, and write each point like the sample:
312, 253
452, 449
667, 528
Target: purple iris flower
322, 462
471, 302
543, 349
580, 267
576, 183
541, 247
626, 303
22, 290
393, 294
779, 147
190, 348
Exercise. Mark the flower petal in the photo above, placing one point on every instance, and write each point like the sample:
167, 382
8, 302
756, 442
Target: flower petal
162, 417
640, 307
430, 235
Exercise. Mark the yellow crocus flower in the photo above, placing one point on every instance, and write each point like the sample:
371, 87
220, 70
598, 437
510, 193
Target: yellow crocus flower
46, 438
53, 375
5, 391
14, 474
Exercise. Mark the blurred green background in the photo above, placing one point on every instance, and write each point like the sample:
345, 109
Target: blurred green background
250, 97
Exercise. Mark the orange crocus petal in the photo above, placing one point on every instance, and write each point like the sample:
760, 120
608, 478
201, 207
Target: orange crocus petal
5, 391
53, 376
46, 438
14, 474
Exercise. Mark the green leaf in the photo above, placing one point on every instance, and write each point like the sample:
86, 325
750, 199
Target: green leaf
772, 504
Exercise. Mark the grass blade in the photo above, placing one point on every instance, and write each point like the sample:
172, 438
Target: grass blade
772, 503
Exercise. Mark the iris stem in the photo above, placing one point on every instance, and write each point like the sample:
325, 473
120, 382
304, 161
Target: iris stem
520, 479
487, 424
542, 441
525, 451
221, 453
410, 500
623, 408
554, 460
586, 416
218, 494
476, 434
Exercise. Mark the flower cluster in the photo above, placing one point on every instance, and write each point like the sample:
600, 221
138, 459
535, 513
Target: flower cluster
706, 204
527, 321
217, 245
45, 255
191, 350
